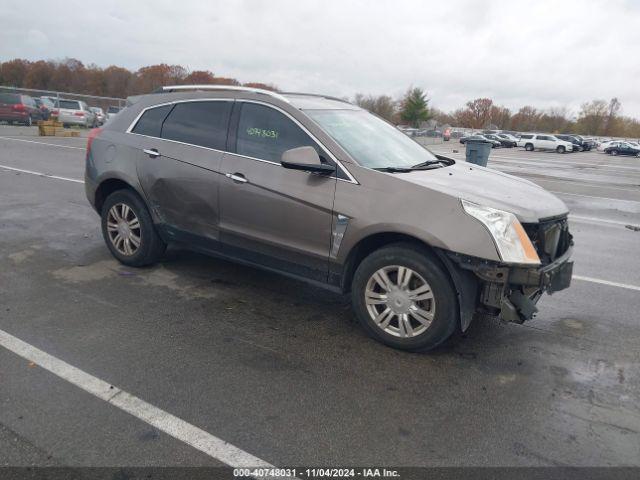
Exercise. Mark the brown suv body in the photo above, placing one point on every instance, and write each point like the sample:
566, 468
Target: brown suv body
290, 183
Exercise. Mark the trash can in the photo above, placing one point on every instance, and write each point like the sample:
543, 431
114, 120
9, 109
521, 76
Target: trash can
477, 152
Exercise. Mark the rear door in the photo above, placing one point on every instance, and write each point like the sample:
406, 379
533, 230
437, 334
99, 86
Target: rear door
180, 156
271, 215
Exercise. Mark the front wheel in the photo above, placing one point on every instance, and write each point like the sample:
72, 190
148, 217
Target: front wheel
614, 152
403, 297
560, 149
528, 147
128, 230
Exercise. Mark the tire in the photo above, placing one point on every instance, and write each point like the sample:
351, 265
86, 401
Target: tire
29, 121
638, 154
150, 246
442, 309
561, 149
614, 152
529, 147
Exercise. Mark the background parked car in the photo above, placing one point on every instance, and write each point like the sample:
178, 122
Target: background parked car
75, 112
100, 115
606, 143
504, 142
112, 112
480, 138
577, 144
508, 136
18, 108
45, 106
623, 148
536, 141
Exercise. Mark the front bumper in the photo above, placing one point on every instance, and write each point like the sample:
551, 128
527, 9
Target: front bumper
511, 292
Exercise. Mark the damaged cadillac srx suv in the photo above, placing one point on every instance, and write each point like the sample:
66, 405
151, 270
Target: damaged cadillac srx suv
318, 189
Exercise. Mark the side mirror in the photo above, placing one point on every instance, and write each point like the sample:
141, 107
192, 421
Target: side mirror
307, 159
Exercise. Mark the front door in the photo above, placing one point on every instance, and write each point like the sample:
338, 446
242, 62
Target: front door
271, 215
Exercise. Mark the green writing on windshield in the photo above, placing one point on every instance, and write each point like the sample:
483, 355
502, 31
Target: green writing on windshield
262, 133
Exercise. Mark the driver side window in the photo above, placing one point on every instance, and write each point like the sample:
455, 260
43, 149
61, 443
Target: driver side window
265, 133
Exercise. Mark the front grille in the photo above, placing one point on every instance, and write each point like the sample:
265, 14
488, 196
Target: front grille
551, 238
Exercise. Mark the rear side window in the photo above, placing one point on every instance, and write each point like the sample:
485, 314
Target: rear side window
265, 133
150, 122
9, 98
199, 123
68, 104
526, 137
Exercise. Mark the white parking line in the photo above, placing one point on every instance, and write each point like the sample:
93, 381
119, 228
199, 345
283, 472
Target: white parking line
40, 174
592, 196
179, 429
606, 282
579, 218
43, 143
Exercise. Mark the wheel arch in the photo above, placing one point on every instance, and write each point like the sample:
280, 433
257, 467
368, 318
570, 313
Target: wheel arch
464, 283
107, 186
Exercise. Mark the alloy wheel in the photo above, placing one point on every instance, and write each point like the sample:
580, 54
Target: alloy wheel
123, 227
400, 301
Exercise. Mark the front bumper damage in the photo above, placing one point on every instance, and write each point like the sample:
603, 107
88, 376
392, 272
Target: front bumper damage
511, 292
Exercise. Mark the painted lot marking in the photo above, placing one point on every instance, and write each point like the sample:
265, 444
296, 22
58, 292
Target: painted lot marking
41, 174
43, 143
579, 218
592, 196
607, 282
177, 428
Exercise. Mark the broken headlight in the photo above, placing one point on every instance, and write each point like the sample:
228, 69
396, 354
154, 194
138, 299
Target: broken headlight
511, 240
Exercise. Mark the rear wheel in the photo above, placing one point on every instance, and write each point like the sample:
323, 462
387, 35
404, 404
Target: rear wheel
403, 297
561, 149
529, 147
128, 230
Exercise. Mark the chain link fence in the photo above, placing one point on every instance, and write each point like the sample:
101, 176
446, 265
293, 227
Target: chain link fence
92, 100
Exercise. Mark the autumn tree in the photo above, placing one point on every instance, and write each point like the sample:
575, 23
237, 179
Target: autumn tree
592, 118
415, 107
383, 105
13, 72
199, 77
480, 112
612, 117
526, 119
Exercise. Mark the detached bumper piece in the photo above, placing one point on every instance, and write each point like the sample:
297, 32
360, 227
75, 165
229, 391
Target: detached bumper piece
512, 292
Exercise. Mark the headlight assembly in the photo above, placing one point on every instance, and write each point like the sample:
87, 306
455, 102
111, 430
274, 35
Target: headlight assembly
512, 242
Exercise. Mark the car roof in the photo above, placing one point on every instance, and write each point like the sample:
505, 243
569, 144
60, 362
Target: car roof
301, 101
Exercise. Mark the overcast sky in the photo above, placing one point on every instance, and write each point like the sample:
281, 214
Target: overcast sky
543, 53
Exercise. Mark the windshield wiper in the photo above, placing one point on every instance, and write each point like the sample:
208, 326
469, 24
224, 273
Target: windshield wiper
430, 163
394, 169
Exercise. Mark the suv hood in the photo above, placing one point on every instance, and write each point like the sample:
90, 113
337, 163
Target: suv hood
485, 186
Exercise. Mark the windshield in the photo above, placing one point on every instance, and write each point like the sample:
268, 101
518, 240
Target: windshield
371, 142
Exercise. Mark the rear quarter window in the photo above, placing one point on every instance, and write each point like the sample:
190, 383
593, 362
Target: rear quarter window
150, 122
9, 98
68, 104
199, 123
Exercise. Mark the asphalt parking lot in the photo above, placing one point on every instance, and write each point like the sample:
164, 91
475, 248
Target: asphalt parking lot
281, 370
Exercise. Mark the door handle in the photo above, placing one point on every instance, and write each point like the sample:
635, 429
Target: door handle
152, 152
236, 177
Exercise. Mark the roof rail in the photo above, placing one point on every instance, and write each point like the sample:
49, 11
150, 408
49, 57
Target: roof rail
173, 88
328, 97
